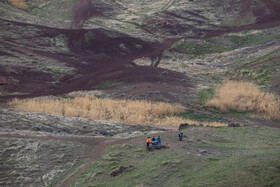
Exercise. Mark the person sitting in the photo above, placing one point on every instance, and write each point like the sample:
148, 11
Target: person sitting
154, 142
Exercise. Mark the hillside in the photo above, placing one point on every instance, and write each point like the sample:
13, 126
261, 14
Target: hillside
171, 51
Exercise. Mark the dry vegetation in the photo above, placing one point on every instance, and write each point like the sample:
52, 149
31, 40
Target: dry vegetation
132, 112
245, 96
21, 4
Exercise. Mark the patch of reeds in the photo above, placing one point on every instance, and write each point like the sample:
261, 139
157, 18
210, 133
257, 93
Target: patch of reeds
21, 4
245, 96
127, 111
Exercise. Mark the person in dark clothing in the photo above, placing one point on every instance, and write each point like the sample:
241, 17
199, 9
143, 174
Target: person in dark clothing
180, 136
158, 140
154, 142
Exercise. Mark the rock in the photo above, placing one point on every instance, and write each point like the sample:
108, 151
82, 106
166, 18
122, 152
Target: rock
271, 42
49, 129
234, 125
124, 48
121, 170
218, 66
156, 147
183, 125
108, 14
138, 46
106, 133
202, 152
66, 131
201, 63
160, 147
37, 128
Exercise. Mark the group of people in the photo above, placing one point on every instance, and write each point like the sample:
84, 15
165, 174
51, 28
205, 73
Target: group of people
153, 141
157, 142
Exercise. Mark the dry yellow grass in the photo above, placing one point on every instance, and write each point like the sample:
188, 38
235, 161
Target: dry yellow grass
21, 4
143, 112
132, 112
176, 121
245, 96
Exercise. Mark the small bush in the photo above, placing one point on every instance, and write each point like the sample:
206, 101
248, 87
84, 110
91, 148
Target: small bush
245, 96
21, 4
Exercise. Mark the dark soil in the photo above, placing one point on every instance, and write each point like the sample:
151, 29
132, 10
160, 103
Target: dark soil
109, 54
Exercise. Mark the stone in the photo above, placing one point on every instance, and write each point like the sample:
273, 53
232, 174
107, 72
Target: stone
121, 170
234, 125
49, 129
183, 125
106, 133
138, 46
201, 63
37, 128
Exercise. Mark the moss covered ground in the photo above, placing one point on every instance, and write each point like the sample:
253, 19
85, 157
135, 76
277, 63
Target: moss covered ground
247, 156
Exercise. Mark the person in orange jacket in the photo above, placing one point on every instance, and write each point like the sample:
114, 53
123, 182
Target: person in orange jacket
148, 142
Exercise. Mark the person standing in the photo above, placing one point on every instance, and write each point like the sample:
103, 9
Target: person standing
148, 142
158, 140
180, 136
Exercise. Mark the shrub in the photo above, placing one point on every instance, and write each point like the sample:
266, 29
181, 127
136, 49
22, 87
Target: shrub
144, 112
19, 4
132, 112
245, 96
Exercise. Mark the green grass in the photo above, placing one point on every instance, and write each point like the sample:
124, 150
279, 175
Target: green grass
251, 39
246, 156
198, 47
78, 165
106, 84
55, 69
53, 10
260, 74
205, 94
193, 115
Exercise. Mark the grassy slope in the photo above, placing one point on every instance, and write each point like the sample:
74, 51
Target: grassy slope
246, 156
260, 68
